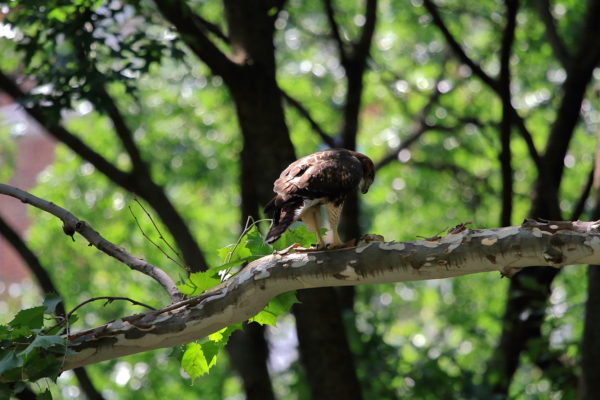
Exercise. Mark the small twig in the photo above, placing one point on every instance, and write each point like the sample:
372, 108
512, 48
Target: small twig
109, 299
249, 224
72, 224
160, 235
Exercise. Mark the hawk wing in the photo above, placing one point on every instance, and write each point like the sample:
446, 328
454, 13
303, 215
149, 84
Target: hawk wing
325, 177
330, 173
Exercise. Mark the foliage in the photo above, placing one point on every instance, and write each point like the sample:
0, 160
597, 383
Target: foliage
28, 351
408, 338
198, 358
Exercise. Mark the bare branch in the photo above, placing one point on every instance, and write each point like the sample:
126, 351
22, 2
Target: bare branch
72, 224
463, 251
304, 112
192, 29
73, 142
47, 286
457, 48
558, 46
109, 299
585, 194
138, 181
505, 156
418, 127
481, 74
153, 242
362, 46
335, 31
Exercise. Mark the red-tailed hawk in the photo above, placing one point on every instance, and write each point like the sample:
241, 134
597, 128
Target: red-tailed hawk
323, 178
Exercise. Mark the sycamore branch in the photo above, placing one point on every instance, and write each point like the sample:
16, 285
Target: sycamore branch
72, 224
462, 251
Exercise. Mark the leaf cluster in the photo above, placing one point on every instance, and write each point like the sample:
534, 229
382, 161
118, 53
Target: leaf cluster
29, 352
77, 48
198, 358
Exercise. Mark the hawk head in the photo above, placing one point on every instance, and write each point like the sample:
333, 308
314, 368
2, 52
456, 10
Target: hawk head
368, 172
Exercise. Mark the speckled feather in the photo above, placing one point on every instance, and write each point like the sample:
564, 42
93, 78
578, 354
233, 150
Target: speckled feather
324, 177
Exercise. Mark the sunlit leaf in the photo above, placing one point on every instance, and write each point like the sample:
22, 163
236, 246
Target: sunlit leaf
32, 318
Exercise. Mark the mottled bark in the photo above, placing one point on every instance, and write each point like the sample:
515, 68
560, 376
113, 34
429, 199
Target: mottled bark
463, 251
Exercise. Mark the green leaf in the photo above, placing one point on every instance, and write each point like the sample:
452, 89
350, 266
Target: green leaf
265, 317
32, 318
9, 360
199, 282
5, 391
233, 252
211, 350
224, 334
299, 234
255, 243
278, 305
45, 395
193, 361
44, 342
50, 302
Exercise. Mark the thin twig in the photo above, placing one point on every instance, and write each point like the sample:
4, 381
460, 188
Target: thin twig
72, 224
160, 235
109, 299
249, 224
335, 31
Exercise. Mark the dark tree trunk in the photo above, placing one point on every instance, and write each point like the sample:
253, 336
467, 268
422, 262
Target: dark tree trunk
323, 346
590, 352
530, 289
248, 353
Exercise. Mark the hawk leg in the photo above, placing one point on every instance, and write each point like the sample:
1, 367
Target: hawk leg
333, 216
312, 219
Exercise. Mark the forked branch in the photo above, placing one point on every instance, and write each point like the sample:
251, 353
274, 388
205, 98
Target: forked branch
72, 225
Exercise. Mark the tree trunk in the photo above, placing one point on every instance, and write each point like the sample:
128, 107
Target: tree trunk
319, 324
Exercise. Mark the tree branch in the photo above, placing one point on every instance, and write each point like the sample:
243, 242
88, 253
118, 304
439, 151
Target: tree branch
361, 48
304, 112
463, 251
72, 224
417, 129
457, 48
481, 74
139, 181
505, 156
335, 31
191, 29
47, 286
558, 46
59, 132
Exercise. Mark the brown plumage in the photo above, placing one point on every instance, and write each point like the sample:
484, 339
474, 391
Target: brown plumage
323, 178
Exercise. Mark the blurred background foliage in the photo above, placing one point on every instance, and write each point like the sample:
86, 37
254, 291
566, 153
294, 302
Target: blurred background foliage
422, 340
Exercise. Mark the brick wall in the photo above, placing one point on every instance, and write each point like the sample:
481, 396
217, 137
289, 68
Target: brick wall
34, 152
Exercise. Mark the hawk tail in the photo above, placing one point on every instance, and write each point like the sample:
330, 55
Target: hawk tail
283, 216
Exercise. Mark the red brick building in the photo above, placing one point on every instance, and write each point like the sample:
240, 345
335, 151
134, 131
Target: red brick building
34, 152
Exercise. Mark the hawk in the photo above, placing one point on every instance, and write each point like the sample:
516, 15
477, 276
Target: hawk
323, 178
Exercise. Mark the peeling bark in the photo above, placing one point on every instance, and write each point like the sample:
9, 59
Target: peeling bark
459, 253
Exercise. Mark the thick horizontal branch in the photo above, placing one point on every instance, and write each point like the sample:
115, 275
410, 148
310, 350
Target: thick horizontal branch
461, 252
72, 224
